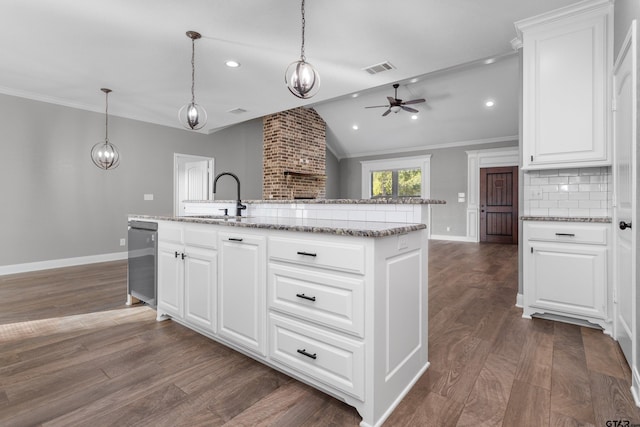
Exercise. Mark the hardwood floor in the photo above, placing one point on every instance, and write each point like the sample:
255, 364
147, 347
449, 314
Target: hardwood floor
72, 354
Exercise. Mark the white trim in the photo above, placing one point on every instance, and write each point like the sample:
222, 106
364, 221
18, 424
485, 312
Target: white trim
57, 263
508, 138
635, 386
451, 238
423, 162
519, 300
477, 159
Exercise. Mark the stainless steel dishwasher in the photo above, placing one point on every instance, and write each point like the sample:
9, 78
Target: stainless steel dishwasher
143, 255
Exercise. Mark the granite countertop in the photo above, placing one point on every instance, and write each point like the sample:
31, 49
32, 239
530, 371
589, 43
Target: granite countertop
601, 219
401, 201
338, 227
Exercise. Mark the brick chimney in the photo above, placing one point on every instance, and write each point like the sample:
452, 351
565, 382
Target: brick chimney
294, 155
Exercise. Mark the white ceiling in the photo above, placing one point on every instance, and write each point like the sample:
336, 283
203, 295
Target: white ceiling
64, 51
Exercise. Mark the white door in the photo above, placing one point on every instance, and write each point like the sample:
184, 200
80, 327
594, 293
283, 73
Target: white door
193, 179
624, 175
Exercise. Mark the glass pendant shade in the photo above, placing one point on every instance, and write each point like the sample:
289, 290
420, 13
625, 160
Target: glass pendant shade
191, 115
302, 79
104, 154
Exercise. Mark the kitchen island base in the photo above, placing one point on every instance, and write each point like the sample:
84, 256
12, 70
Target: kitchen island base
344, 314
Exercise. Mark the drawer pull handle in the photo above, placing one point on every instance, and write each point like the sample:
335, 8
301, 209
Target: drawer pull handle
566, 234
307, 253
183, 255
175, 255
303, 296
304, 353
234, 239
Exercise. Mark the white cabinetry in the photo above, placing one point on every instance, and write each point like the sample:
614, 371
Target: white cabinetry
349, 315
345, 314
567, 59
565, 271
242, 290
187, 274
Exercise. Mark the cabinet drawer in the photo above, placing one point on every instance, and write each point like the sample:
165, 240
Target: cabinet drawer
329, 299
324, 254
170, 232
203, 236
567, 232
318, 354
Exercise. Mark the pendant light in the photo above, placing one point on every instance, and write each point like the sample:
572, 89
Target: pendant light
191, 115
301, 78
104, 154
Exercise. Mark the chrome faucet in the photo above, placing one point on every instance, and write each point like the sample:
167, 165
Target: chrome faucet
239, 206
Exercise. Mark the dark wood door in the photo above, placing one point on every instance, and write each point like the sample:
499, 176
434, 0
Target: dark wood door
499, 205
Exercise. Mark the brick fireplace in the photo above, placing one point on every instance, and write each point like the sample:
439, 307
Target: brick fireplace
294, 155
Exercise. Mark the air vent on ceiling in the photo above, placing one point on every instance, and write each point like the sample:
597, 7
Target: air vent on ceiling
237, 111
378, 68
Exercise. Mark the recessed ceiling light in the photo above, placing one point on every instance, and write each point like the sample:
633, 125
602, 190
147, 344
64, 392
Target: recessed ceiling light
232, 64
415, 80
489, 61
354, 127
355, 95
414, 117
489, 103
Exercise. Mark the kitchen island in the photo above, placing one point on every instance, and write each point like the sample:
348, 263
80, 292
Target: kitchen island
338, 304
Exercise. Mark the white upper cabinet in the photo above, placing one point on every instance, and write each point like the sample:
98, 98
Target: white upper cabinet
567, 58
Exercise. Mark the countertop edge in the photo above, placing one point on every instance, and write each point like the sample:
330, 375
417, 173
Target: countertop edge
393, 230
602, 220
377, 201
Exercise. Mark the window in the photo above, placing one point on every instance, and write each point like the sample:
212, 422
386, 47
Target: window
401, 177
396, 183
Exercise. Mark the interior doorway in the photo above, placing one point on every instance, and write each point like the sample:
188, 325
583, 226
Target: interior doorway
499, 205
192, 178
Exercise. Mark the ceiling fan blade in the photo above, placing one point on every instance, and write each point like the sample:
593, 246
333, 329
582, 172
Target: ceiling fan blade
411, 110
378, 106
392, 101
415, 101
386, 112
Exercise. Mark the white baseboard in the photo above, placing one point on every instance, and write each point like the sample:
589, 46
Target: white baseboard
57, 263
519, 299
451, 238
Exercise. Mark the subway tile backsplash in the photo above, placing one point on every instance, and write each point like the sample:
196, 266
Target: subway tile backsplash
584, 192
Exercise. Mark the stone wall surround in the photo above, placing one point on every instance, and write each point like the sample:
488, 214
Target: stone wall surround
580, 192
295, 143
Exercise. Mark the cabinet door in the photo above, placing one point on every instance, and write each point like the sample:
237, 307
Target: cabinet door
567, 279
170, 279
565, 105
200, 287
242, 290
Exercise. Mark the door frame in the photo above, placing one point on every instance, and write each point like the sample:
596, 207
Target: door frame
488, 158
177, 158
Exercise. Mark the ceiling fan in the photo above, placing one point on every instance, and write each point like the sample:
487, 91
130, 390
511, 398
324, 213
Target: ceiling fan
396, 104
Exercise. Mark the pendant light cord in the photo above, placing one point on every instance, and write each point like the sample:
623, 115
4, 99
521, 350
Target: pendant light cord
106, 117
302, 57
193, 71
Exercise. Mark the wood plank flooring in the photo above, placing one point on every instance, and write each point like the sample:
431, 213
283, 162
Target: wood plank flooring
72, 354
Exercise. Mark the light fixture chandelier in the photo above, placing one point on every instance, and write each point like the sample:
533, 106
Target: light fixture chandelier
192, 115
301, 78
104, 154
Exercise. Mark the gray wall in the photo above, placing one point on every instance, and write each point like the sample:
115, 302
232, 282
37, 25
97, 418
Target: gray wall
333, 176
56, 204
448, 178
625, 11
